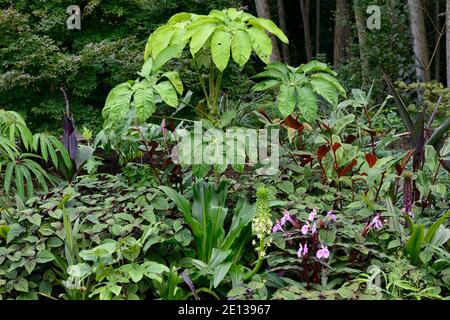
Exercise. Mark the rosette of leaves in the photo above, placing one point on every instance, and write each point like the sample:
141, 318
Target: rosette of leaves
141, 96
300, 87
225, 33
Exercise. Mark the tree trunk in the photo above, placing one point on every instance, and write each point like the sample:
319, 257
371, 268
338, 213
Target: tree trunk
317, 27
437, 38
447, 41
420, 44
341, 32
283, 26
304, 6
362, 40
263, 11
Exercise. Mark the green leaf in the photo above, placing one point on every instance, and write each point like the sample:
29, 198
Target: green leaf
201, 35
286, 100
118, 101
159, 40
220, 272
325, 89
261, 44
307, 103
167, 93
167, 54
30, 265
144, 102
270, 26
241, 47
147, 68
434, 227
265, 85
44, 256
220, 49
174, 78
414, 244
332, 80
21, 285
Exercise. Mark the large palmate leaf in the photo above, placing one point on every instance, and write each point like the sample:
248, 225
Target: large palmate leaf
218, 33
299, 87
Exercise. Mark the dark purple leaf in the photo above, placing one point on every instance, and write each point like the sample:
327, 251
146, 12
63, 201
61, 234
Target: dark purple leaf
69, 137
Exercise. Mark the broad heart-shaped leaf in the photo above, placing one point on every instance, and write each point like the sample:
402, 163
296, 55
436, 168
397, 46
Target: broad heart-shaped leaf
241, 47
261, 44
167, 93
220, 48
286, 100
144, 99
174, 78
270, 26
118, 101
307, 103
201, 35
325, 89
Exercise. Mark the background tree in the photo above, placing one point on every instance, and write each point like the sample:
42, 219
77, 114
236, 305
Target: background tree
263, 11
342, 32
420, 44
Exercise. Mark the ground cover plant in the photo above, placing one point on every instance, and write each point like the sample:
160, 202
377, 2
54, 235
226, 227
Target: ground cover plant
299, 184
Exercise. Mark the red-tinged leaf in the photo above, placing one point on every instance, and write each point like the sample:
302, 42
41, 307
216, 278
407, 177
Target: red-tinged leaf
323, 125
293, 123
306, 159
399, 169
322, 151
347, 168
371, 159
350, 138
336, 146
154, 145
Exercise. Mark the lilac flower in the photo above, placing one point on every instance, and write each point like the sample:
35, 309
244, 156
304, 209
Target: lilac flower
277, 227
302, 250
376, 223
286, 217
331, 215
323, 252
313, 228
312, 215
410, 213
305, 229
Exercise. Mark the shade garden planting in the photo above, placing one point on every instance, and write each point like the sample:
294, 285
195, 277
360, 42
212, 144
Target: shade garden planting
357, 207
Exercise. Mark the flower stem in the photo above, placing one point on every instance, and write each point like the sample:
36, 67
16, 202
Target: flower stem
255, 270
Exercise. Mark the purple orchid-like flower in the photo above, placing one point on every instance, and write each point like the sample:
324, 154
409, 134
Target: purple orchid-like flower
305, 229
302, 250
331, 216
410, 213
286, 217
323, 252
376, 222
312, 215
277, 227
